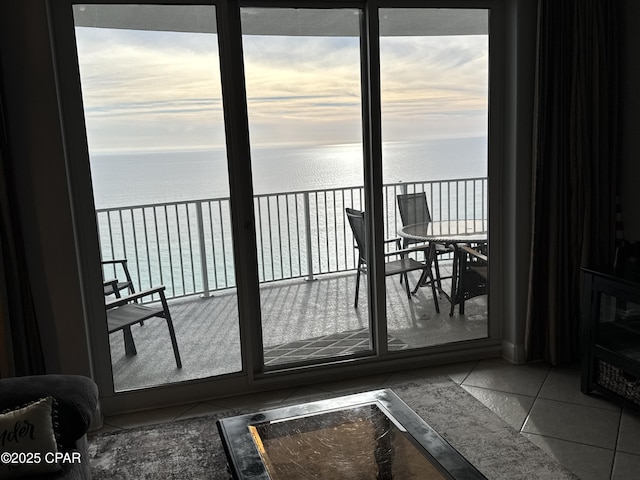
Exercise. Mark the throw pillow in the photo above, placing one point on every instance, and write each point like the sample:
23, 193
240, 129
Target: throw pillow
27, 440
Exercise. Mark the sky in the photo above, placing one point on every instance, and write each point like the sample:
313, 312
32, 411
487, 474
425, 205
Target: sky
150, 90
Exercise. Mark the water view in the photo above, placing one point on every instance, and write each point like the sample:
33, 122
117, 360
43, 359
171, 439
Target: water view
129, 179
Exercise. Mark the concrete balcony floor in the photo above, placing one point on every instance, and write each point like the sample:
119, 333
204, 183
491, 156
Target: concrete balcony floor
302, 320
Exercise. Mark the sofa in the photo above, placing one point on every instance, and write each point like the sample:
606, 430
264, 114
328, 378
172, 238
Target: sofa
43, 424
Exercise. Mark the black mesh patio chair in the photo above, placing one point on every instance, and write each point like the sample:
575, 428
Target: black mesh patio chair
123, 312
110, 267
403, 265
414, 209
114, 286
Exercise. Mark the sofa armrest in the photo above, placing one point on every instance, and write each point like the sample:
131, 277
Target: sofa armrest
76, 400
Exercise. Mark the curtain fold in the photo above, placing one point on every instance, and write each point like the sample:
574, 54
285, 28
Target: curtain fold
20, 344
575, 168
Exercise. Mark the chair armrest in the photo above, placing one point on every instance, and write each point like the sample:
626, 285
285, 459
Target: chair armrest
403, 251
114, 261
473, 252
389, 240
110, 287
406, 251
118, 302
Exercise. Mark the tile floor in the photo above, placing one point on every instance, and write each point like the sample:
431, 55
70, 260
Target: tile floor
591, 436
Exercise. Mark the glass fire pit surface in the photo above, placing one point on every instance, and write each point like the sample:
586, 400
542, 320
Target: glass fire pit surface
371, 435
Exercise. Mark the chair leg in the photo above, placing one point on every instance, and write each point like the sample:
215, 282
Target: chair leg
437, 268
174, 342
454, 281
427, 276
355, 304
406, 285
405, 244
172, 332
421, 282
129, 344
434, 291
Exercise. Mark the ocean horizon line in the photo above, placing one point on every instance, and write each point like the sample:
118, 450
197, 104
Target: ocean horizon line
138, 178
263, 146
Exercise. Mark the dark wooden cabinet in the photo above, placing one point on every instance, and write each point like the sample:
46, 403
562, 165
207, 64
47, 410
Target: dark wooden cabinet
610, 309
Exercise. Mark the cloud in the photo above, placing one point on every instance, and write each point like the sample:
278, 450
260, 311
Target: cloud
303, 89
146, 89
434, 87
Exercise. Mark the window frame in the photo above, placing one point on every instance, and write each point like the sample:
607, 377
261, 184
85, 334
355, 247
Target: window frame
253, 377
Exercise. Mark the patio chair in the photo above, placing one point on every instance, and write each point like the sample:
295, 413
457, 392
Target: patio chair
123, 312
114, 286
414, 209
473, 274
111, 288
402, 266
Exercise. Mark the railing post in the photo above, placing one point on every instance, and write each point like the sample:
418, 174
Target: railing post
203, 251
403, 188
307, 229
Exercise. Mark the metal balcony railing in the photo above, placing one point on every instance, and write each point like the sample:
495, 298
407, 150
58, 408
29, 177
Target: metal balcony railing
187, 246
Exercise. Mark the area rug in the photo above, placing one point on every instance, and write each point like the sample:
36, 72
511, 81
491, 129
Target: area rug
191, 449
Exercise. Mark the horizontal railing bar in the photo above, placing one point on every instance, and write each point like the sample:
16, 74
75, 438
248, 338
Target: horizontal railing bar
277, 194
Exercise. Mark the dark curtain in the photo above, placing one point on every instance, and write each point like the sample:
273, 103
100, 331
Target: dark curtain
575, 167
20, 347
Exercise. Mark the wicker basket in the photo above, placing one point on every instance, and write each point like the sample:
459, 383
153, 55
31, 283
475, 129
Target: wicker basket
615, 379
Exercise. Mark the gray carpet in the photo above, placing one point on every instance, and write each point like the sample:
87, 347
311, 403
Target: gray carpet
191, 449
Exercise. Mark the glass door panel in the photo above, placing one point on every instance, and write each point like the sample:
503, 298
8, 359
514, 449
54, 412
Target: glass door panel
151, 88
305, 120
434, 84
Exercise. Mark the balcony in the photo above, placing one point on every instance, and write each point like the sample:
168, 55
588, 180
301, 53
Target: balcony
306, 267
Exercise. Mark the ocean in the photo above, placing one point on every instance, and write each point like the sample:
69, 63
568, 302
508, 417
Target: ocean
173, 243
141, 178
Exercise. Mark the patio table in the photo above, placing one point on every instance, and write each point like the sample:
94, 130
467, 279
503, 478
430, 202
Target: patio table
451, 234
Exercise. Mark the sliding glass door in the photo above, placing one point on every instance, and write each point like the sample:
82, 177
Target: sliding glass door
303, 69
279, 188
150, 79
434, 66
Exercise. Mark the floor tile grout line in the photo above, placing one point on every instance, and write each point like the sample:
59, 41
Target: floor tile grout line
615, 451
566, 402
568, 441
546, 377
477, 362
538, 397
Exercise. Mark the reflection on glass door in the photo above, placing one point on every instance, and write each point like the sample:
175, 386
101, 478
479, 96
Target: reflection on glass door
434, 84
150, 80
304, 103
